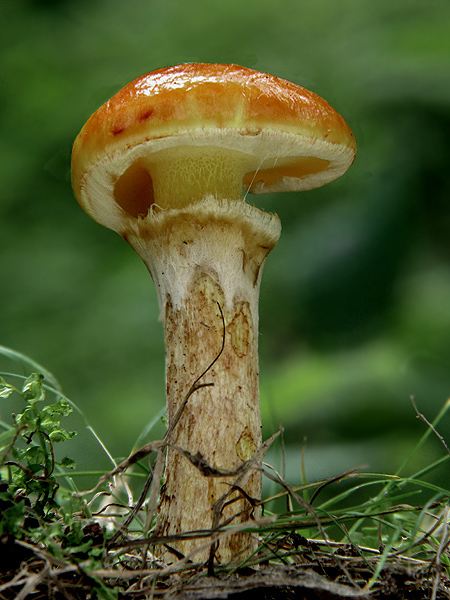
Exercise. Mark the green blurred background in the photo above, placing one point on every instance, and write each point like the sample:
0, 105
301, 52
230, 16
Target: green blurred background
355, 304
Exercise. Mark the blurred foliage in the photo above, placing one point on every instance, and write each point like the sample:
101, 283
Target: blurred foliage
355, 306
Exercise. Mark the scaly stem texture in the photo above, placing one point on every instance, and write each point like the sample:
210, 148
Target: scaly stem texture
206, 262
221, 422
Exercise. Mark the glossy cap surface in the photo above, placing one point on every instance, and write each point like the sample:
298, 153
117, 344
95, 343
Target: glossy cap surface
290, 138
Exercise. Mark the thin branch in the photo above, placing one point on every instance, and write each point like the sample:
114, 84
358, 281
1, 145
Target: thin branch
421, 417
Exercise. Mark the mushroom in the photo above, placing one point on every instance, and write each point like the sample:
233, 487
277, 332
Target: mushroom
164, 163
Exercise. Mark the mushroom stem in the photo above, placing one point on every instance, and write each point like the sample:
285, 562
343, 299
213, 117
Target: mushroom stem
202, 257
222, 422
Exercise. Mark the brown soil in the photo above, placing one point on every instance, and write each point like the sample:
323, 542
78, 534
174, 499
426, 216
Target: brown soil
29, 572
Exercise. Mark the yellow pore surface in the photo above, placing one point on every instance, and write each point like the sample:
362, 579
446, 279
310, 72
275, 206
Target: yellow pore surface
177, 177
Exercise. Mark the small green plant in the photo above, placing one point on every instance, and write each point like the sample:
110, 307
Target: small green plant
43, 520
28, 463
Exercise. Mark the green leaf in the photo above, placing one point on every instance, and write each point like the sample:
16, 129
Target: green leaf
5, 390
57, 410
12, 518
61, 435
18, 453
26, 419
67, 463
33, 390
35, 456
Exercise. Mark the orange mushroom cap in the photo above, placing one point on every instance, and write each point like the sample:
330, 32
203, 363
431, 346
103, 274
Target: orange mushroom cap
292, 139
